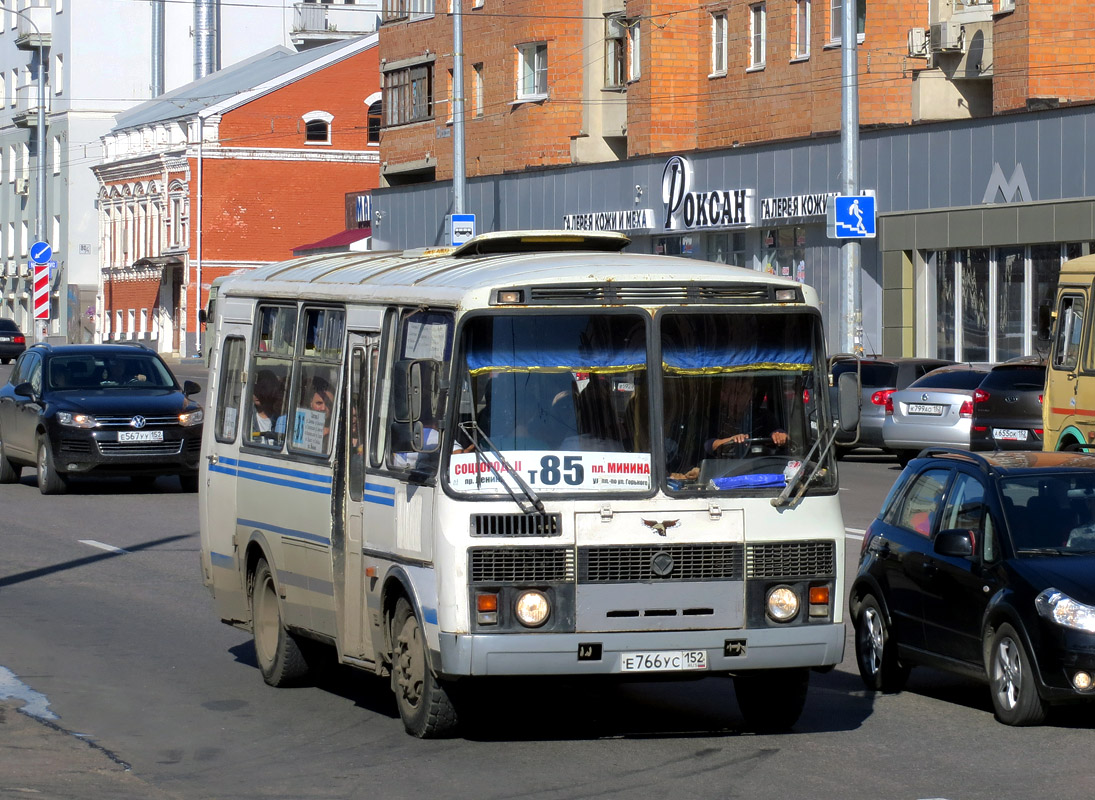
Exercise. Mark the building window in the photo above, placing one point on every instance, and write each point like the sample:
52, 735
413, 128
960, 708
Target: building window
478, 70
408, 94
836, 19
635, 51
56, 231
375, 116
144, 320
615, 50
56, 155
402, 9
802, 28
718, 44
317, 127
532, 63
452, 98
758, 34
58, 76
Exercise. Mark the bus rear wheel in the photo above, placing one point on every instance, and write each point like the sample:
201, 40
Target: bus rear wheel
278, 655
771, 700
424, 703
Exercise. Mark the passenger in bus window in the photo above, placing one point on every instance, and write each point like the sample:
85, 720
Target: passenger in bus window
267, 418
323, 401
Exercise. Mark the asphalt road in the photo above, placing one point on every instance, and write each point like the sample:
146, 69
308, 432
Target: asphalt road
147, 695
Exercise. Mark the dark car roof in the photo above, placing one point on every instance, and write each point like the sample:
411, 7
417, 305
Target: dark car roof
93, 349
8, 325
1024, 462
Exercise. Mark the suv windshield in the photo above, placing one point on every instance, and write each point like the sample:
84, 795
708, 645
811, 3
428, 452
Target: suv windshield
108, 371
1051, 512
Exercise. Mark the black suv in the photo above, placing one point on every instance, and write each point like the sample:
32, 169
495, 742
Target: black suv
108, 409
984, 564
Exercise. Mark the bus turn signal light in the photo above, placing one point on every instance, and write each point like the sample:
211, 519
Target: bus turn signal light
486, 608
819, 601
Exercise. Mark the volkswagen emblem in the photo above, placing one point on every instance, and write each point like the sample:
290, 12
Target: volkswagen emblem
661, 564
138, 421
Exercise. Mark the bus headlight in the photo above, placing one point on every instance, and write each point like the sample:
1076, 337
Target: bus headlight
782, 604
532, 609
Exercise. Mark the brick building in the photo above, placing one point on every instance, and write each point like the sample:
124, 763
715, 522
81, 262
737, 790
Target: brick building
229, 172
975, 117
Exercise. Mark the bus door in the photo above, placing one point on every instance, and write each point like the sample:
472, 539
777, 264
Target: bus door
350, 581
225, 570
1062, 403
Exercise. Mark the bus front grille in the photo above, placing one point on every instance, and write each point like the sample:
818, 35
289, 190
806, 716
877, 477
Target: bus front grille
520, 565
678, 562
516, 525
814, 559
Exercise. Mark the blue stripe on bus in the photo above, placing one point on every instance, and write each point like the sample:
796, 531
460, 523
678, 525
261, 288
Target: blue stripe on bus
308, 487
292, 473
266, 526
221, 560
379, 487
380, 501
430, 615
218, 468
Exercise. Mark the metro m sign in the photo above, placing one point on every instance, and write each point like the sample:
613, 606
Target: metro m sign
41, 291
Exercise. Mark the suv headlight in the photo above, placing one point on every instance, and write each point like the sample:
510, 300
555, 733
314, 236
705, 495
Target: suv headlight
1056, 606
191, 418
76, 420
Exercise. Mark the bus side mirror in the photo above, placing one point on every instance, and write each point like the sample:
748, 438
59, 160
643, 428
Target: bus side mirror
848, 400
203, 316
1044, 317
416, 390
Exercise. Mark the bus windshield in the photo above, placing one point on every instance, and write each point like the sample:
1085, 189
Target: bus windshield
739, 402
563, 398
566, 400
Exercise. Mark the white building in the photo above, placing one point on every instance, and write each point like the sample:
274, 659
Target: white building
103, 57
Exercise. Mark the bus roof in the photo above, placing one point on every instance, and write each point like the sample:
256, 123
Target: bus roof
547, 262
1084, 265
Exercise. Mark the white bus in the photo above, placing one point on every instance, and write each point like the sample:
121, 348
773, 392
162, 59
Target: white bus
524, 457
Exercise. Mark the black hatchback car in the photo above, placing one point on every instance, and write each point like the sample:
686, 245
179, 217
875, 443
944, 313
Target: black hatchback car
984, 564
1007, 408
106, 409
12, 341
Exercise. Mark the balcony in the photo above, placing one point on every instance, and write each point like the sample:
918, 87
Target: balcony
34, 27
316, 24
26, 105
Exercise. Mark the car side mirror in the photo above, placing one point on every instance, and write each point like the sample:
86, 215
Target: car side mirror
24, 390
191, 387
848, 399
955, 543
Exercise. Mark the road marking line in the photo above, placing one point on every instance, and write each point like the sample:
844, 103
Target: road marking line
108, 547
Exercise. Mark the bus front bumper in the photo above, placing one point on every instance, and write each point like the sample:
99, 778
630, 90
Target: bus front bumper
602, 653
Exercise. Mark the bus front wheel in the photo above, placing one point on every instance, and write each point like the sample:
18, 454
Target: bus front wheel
278, 655
424, 703
771, 700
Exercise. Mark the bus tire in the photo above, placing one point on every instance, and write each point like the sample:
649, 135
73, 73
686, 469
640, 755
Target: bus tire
424, 703
771, 700
276, 651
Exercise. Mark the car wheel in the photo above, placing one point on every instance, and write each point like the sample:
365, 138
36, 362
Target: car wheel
424, 702
9, 472
771, 700
49, 480
1011, 677
876, 650
189, 483
279, 658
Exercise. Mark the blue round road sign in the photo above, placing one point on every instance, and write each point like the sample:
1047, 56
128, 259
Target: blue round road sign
41, 252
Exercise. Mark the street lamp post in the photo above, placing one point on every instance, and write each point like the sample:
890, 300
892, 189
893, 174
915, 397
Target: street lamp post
40, 172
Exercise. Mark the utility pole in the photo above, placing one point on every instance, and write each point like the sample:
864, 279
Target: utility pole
851, 274
458, 171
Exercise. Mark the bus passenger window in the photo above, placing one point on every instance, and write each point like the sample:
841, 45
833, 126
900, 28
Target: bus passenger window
1070, 326
317, 378
358, 416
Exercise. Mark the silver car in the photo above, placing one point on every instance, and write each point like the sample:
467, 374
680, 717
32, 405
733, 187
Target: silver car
933, 410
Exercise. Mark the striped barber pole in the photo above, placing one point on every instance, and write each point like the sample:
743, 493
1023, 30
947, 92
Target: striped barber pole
41, 291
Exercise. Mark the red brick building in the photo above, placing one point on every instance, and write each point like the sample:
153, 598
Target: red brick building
605, 80
229, 172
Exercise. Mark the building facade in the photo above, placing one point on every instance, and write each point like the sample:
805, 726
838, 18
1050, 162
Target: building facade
713, 131
100, 58
228, 172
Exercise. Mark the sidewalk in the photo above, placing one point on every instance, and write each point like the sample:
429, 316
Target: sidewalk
41, 759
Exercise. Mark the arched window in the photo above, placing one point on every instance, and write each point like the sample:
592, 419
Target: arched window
375, 117
317, 127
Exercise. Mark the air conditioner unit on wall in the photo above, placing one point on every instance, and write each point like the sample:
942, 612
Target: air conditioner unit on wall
918, 42
22, 186
947, 37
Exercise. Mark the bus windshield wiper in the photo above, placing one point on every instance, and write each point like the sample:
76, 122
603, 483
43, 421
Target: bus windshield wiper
475, 434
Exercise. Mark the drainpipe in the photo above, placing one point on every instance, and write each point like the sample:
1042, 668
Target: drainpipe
157, 47
198, 237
